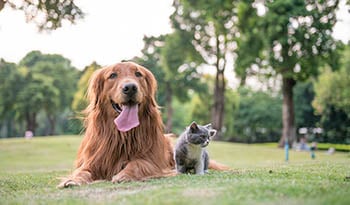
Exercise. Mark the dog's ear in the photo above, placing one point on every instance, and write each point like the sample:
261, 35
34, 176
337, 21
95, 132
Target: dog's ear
151, 84
95, 87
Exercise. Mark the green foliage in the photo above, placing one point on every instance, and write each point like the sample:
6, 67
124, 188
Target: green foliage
181, 117
304, 35
201, 104
250, 41
305, 114
179, 60
297, 40
335, 124
37, 92
150, 59
232, 103
332, 101
79, 101
40, 84
332, 88
210, 26
8, 76
64, 76
258, 117
47, 15
9, 88
261, 178
172, 60
291, 39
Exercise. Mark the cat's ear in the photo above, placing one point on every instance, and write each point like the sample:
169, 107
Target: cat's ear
193, 126
208, 126
212, 132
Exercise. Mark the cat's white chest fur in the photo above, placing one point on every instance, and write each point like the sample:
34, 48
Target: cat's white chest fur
194, 152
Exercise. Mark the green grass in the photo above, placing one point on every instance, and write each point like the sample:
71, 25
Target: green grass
338, 147
29, 172
323, 146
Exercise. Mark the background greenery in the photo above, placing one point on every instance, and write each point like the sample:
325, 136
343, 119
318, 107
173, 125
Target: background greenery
290, 64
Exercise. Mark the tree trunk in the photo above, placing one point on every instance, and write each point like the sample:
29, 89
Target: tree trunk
219, 104
2, 4
169, 108
288, 131
219, 93
31, 121
52, 122
10, 128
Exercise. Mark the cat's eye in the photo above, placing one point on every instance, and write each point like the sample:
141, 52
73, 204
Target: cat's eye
112, 76
138, 74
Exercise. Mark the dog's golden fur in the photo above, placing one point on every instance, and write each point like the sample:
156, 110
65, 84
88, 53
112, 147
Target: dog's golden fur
108, 154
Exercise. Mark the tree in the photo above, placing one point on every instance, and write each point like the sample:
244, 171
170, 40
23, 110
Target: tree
305, 114
332, 88
297, 40
258, 118
150, 58
9, 88
211, 27
79, 102
48, 83
172, 60
249, 42
37, 92
332, 101
201, 102
179, 61
47, 15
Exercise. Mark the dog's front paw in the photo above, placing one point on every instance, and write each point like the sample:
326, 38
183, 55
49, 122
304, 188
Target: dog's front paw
121, 177
67, 183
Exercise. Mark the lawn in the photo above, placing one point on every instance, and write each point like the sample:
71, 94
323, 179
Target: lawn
29, 172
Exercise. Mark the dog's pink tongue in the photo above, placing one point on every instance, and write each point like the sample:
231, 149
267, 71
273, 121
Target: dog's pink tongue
128, 118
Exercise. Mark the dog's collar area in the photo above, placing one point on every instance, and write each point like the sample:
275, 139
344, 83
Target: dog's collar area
116, 107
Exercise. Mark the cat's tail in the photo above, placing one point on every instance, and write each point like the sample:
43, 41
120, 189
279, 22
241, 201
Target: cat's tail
217, 166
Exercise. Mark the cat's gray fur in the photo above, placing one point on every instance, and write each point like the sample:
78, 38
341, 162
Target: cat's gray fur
190, 153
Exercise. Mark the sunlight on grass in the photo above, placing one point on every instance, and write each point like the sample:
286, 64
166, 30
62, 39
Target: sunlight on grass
29, 172
40, 153
252, 155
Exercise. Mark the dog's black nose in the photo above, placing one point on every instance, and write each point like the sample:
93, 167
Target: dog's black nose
129, 89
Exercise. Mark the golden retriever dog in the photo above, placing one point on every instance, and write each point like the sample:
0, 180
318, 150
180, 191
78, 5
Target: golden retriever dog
124, 139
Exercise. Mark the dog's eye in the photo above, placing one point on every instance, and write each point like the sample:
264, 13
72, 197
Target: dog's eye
112, 76
138, 74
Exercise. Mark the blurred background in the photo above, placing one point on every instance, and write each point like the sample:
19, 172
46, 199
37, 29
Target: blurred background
259, 71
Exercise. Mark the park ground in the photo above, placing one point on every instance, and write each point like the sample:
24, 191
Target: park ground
30, 171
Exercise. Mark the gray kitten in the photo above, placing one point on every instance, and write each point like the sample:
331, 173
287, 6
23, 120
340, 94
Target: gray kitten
190, 154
